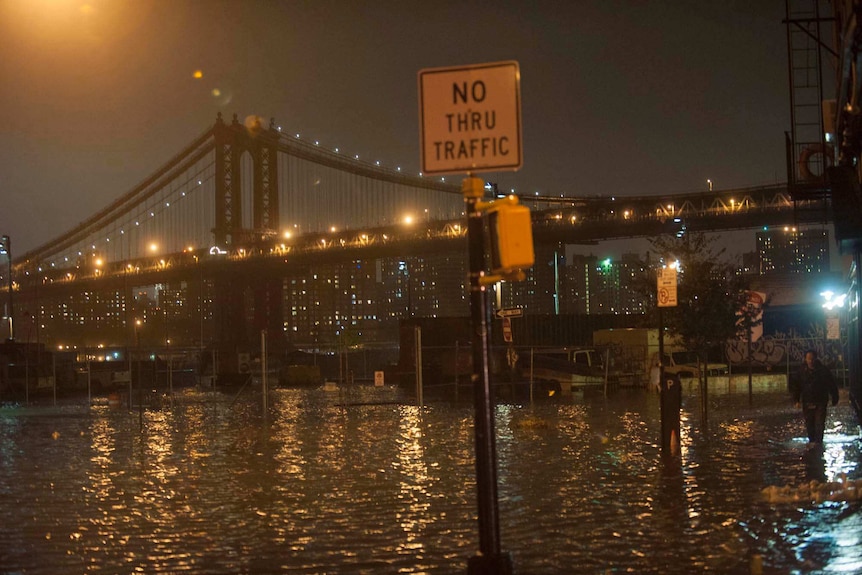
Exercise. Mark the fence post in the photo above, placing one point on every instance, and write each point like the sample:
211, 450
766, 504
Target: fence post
417, 342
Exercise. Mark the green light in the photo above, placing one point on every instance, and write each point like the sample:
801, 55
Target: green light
606, 263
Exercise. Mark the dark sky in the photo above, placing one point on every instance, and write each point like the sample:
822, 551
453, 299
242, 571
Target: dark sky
619, 98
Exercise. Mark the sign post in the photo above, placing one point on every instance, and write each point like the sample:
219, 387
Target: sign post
667, 297
470, 121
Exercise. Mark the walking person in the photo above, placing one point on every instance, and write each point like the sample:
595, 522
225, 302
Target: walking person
814, 386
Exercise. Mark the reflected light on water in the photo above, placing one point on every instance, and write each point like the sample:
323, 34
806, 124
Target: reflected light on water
362, 481
412, 470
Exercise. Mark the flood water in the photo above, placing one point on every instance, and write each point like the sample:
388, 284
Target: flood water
362, 481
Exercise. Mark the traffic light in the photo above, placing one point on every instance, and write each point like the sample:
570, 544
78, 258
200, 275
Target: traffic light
511, 236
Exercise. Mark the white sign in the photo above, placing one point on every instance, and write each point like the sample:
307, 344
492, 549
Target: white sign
507, 330
378, 379
470, 118
667, 287
833, 328
510, 312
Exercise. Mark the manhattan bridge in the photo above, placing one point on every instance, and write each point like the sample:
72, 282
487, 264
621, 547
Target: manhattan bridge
249, 229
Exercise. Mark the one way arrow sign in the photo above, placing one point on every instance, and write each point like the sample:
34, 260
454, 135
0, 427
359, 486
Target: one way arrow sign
510, 312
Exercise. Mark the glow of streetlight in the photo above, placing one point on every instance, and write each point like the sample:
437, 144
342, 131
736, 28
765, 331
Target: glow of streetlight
832, 300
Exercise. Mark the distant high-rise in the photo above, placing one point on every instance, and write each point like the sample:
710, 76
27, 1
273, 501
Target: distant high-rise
581, 284
618, 281
790, 250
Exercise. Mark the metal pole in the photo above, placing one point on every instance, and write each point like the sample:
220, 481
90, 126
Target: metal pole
456, 370
417, 343
665, 438
7, 245
607, 367
490, 560
532, 349
129, 352
748, 357
263, 367
27, 373
140, 385
170, 373
89, 382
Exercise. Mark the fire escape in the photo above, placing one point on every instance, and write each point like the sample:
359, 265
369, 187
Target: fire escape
824, 149
810, 30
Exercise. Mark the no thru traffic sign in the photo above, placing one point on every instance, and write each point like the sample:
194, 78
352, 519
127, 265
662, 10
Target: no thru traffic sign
470, 118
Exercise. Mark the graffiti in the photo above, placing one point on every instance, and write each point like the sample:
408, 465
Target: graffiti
780, 348
764, 352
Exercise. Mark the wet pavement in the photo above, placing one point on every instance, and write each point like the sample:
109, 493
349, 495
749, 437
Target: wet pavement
361, 481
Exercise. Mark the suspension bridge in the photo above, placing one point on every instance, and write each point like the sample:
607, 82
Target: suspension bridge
244, 210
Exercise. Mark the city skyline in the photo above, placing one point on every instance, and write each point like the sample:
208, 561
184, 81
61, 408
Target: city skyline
369, 298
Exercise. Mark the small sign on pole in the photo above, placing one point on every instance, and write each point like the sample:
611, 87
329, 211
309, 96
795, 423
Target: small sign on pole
667, 287
507, 330
509, 312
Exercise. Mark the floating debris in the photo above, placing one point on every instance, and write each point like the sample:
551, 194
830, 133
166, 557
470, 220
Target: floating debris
815, 491
530, 422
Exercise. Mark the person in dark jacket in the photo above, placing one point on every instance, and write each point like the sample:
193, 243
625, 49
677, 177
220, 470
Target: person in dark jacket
813, 390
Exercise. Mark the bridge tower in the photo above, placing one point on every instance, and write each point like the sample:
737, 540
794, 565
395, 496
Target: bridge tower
231, 142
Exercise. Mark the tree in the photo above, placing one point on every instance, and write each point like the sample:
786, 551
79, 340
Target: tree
709, 296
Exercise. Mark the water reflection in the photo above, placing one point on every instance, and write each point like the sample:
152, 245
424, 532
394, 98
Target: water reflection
358, 481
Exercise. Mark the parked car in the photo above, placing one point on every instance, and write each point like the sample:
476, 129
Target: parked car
684, 363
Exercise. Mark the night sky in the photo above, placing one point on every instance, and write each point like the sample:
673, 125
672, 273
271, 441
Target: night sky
619, 98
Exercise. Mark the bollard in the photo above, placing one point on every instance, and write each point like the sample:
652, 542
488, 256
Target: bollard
756, 565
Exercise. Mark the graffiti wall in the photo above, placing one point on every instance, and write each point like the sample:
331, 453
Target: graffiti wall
782, 350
